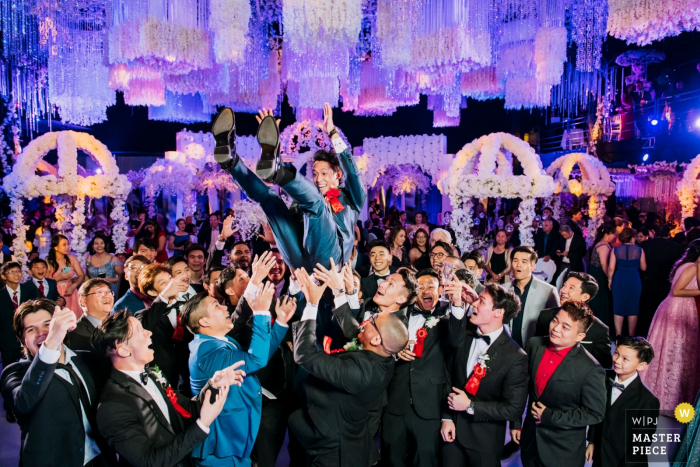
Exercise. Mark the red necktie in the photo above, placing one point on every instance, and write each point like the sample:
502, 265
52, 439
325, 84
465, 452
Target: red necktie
41, 289
15, 302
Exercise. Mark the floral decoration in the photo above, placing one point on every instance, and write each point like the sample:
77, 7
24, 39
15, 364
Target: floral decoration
404, 178
550, 54
642, 22
248, 217
228, 20
688, 188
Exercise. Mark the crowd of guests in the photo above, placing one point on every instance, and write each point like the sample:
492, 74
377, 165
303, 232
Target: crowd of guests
182, 352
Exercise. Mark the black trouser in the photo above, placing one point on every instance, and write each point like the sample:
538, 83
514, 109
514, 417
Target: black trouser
456, 455
9, 357
410, 440
273, 425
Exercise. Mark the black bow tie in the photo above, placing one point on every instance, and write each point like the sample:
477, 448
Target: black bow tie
619, 386
417, 311
144, 377
476, 335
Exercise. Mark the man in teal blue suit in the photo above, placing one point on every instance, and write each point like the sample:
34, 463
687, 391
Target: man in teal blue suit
232, 436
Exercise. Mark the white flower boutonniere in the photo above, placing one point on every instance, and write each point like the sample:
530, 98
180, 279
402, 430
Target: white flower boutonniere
158, 375
483, 360
431, 322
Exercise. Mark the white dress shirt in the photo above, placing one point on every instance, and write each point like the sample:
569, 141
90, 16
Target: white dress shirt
565, 259
94, 321
43, 281
214, 237
52, 356
616, 392
13, 293
479, 347
415, 322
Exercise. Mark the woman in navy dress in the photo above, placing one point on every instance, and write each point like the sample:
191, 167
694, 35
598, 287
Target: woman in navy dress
624, 280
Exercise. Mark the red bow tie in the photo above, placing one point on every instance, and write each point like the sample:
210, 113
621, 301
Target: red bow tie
332, 197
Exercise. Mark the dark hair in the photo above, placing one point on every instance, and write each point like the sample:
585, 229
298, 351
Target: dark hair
445, 246
37, 260
227, 275
410, 284
210, 271
145, 241
574, 211
178, 221
458, 264
495, 234
644, 231
139, 258
645, 351
468, 277
588, 283
691, 255
156, 229
25, 309
107, 241
189, 313
505, 299
173, 260
527, 250
626, 235
580, 313
326, 156
427, 272
113, 331
239, 242
415, 240
663, 231
91, 284
148, 275
195, 247
475, 256
9, 265
51, 259
378, 243
602, 231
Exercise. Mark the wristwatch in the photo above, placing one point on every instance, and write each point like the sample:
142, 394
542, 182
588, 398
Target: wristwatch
337, 292
470, 409
333, 132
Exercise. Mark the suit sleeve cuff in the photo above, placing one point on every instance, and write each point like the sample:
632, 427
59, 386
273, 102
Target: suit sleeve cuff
310, 312
203, 428
251, 291
262, 313
354, 301
457, 312
293, 287
338, 144
49, 356
219, 245
341, 300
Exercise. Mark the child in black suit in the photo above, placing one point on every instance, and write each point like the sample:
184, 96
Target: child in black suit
628, 402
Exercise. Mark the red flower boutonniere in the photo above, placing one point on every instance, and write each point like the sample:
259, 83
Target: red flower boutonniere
169, 392
422, 334
332, 196
479, 372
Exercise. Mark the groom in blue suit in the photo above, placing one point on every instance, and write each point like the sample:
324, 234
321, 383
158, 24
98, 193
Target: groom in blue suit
232, 435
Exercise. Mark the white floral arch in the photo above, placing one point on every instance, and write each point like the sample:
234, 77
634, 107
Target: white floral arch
595, 182
23, 183
484, 169
688, 188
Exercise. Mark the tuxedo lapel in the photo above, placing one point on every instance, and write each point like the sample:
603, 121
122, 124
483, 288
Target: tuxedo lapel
72, 390
537, 358
175, 419
608, 394
137, 390
561, 369
630, 392
86, 373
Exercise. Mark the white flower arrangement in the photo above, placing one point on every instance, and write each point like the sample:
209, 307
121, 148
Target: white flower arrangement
474, 174
550, 54
19, 245
248, 217
311, 23
688, 188
213, 176
404, 178
78, 234
424, 151
7, 154
228, 20
642, 22
595, 177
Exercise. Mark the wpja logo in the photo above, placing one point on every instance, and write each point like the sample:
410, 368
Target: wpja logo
654, 438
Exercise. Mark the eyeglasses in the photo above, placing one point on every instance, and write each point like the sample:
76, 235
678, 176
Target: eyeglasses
437, 255
372, 319
131, 267
13, 272
101, 293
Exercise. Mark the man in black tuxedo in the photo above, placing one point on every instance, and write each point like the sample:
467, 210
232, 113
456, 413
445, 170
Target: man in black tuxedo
628, 400
52, 392
581, 287
342, 389
547, 241
478, 409
571, 250
45, 288
380, 259
661, 254
566, 392
411, 420
96, 300
145, 420
210, 231
575, 216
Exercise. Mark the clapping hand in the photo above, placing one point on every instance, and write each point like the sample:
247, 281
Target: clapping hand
285, 308
264, 298
63, 320
261, 267
229, 376
312, 292
331, 277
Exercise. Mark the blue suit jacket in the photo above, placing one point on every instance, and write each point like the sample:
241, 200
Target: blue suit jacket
234, 431
130, 302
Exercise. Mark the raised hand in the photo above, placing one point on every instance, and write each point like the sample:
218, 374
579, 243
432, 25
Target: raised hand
327, 125
331, 276
267, 233
227, 230
453, 288
348, 279
261, 267
209, 411
286, 306
312, 292
63, 320
229, 376
172, 289
265, 113
264, 299
469, 295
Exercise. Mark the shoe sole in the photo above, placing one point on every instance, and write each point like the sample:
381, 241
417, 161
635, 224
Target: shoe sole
268, 138
221, 128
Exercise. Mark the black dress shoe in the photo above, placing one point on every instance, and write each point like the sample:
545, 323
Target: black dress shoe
224, 130
269, 140
10, 417
509, 449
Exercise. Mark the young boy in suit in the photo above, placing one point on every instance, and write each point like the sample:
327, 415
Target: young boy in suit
628, 399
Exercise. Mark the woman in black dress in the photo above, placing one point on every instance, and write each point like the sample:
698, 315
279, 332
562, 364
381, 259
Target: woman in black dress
397, 238
419, 254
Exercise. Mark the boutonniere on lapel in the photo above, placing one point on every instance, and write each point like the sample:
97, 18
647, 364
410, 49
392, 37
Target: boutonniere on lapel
169, 391
351, 346
332, 196
479, 372
422, 333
